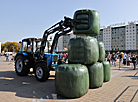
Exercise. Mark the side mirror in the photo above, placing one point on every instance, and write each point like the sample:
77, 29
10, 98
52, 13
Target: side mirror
20, 42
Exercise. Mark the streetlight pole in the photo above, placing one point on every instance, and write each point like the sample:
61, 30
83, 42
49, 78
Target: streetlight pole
13, 48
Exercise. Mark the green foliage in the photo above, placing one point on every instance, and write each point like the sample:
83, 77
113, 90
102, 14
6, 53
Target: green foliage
10, 46
2, 46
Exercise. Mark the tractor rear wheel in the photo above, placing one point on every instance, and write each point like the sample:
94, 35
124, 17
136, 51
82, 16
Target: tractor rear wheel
41, 71
21, 66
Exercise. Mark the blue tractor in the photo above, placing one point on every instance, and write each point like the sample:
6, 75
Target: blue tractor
35, 53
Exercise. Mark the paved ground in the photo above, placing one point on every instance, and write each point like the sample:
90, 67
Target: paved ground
123, 87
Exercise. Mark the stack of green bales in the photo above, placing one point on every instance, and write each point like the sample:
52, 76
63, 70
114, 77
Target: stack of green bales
86, 68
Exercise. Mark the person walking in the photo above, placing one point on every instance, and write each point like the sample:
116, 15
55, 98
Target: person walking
63, 56
13, 55
108, 57
134, 61
124, 58
113, 59
7, 56
116, 55
128, 59
137, 59
60, 61
120, 57
66, 57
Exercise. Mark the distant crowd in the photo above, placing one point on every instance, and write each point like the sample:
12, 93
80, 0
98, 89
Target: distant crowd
7, 55
63, 57
124, 58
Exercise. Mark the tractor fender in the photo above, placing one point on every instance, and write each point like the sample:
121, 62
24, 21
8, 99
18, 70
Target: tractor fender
20, 53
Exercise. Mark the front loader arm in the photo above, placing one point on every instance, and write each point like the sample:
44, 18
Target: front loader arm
61, 28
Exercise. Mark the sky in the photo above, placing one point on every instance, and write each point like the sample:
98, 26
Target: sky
30, 18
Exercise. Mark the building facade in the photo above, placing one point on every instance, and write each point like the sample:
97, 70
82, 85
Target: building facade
120, 38
131, 37
60, 44
123, 38
137, 36
100, 36
107, 38
63, 42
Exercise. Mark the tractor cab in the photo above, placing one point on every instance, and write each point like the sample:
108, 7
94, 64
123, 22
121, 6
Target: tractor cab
30, 45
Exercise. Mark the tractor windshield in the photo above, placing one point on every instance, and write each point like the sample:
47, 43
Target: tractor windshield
23, 47
37, 45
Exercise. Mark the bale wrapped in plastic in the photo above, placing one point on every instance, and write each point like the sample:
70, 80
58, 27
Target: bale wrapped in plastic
101, 51
95, 75
106, 71
90, 22
83, 50
71, 80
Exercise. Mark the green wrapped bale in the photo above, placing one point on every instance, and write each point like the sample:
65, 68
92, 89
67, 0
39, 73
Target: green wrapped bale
95, 75
71, 80
101, 51
90, 25
83, 50
106, 71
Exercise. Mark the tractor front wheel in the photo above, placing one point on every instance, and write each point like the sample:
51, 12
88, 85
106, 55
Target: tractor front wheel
41, 71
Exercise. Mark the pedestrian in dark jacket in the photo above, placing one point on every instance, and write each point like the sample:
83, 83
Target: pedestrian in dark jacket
134, 61
113, 59
7, 56
124, 58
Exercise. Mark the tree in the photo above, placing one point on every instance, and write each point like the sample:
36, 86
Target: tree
7, 46
11, 46
2, 46
16, 46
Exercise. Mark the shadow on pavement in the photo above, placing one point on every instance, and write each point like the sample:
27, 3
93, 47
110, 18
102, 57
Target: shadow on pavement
27, 86
127, 91
135, 76
121, 94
